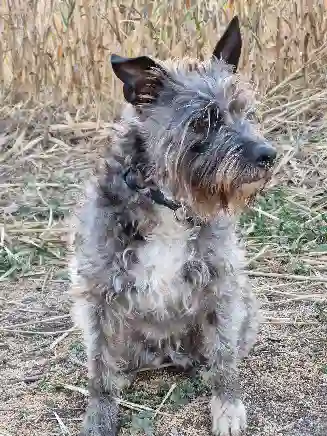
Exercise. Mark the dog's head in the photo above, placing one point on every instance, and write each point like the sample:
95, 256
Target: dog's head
194, 118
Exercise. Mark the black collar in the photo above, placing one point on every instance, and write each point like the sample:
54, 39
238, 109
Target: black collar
155, 194
158, 197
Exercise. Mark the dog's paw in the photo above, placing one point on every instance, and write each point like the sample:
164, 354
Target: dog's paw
228, 419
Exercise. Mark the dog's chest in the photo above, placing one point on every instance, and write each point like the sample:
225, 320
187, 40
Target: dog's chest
161, 259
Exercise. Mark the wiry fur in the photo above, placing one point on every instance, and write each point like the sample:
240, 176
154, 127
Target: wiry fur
148, 286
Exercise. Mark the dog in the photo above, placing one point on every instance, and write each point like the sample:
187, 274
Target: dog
157, 268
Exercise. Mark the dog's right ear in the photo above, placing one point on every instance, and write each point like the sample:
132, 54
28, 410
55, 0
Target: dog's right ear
141, 76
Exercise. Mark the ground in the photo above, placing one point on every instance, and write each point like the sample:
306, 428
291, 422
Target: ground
42, 361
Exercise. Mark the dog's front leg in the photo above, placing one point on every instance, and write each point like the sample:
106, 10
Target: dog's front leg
227, 409
101, 418
106, 351
221, 350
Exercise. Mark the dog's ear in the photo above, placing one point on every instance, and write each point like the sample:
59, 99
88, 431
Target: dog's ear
229, 46
141, 76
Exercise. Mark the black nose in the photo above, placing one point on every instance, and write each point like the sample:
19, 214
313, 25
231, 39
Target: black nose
263, 155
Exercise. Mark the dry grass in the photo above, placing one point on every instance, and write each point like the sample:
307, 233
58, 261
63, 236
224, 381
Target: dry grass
60, 49
58, 97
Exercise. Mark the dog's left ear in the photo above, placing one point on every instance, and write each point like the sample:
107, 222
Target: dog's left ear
229, 46
141, 76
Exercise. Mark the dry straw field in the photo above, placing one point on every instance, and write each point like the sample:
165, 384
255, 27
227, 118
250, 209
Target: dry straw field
58, 98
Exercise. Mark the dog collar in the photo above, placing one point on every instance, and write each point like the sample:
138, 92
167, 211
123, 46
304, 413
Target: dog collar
156, 195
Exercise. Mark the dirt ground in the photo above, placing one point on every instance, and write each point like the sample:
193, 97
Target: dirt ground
284, 381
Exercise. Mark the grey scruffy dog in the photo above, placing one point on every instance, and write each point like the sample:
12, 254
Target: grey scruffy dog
157, 270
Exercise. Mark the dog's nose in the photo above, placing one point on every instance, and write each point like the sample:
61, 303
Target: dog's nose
264, 155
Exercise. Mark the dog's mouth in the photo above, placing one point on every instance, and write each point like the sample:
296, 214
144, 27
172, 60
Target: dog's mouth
250, 187
261, 176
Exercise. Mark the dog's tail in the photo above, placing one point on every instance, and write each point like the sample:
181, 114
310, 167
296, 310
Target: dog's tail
101, 417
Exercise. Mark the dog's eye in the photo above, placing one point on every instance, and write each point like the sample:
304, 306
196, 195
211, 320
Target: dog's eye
209, 120
201, 124
200, 147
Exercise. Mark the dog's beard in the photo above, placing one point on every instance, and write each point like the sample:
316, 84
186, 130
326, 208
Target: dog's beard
246, 194
231, 190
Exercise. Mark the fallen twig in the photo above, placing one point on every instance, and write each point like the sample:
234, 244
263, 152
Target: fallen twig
287, 276
263, 212
31, 332
39, 321
63, 428
124, 403
287, 321
164, 399
61, 338
312, 298
257, 255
